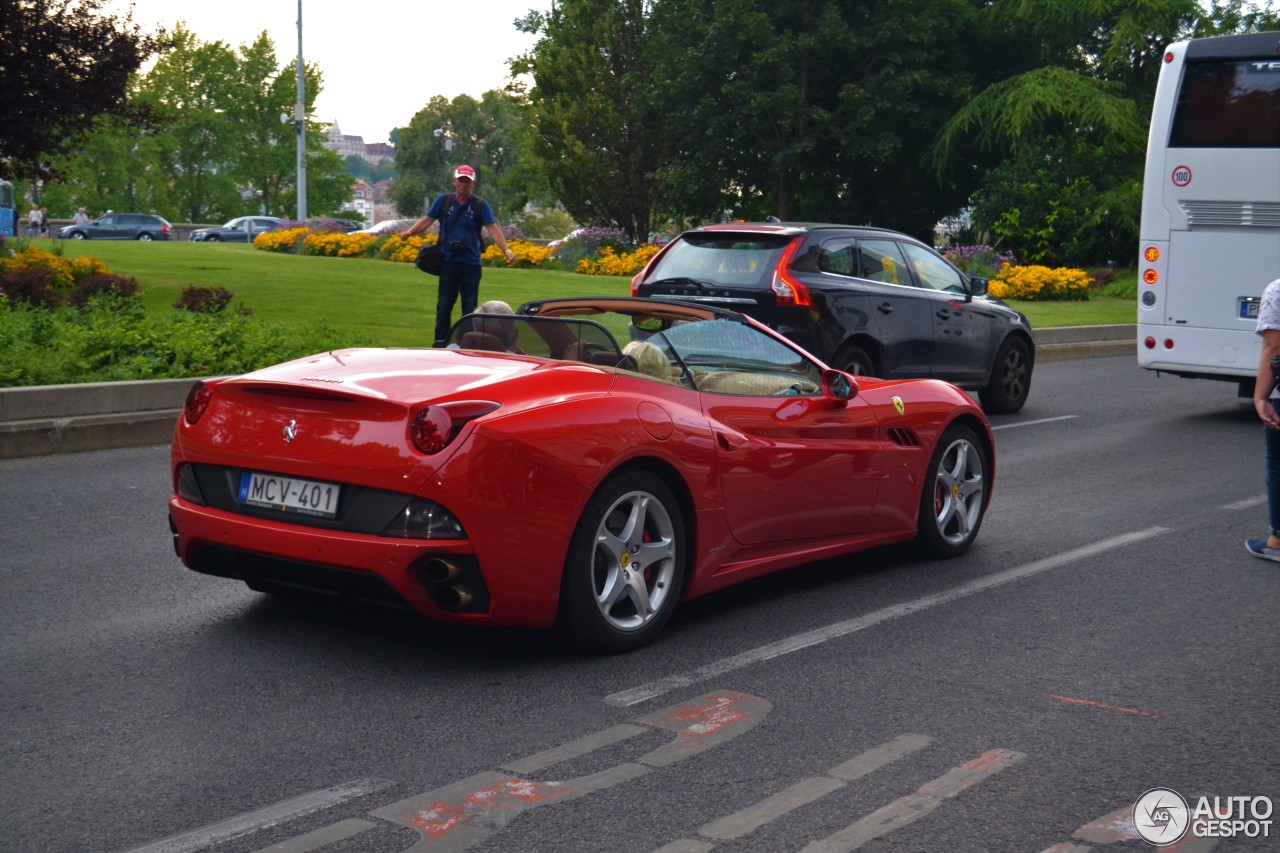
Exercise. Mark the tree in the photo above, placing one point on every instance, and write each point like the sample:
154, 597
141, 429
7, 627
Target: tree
64, 64
214, 146
593, 118
480, 133
1069, 118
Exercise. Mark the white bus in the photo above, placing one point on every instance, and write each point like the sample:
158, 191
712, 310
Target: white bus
1210, 232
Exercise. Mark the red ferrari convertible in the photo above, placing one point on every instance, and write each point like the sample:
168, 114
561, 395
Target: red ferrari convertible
536, 471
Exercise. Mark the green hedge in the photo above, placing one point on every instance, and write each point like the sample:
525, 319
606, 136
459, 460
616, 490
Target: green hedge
112, 338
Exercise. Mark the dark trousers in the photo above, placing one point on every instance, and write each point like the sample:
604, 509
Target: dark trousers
1272, 438
455, 280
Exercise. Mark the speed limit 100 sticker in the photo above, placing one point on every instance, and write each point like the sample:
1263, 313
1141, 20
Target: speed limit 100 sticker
1181, 176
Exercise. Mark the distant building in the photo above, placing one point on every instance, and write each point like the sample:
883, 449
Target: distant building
346, 146
377, 152
362, 201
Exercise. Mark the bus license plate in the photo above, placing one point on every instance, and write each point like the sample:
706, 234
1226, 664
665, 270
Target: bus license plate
1248, 308
289, 494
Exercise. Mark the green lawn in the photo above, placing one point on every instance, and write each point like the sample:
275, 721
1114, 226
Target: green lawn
394, 304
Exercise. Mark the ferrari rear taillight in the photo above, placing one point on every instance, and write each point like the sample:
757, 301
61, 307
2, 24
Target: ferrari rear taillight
435, 426
786, 288
198, 399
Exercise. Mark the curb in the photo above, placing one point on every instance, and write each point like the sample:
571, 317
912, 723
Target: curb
1071, 342
48, 419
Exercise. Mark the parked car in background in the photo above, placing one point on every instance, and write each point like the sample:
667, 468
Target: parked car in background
867, 301
242, 229
577, 232
120, 226
543, 468
344, 225
386, 227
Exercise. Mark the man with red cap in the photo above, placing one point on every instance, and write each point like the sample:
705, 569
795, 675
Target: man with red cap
462, 216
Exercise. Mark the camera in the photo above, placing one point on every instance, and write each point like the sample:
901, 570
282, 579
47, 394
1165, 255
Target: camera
457, 246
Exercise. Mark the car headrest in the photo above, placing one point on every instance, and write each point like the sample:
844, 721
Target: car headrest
482, 340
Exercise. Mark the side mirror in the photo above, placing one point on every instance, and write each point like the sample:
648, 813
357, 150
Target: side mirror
977, 285
838, 387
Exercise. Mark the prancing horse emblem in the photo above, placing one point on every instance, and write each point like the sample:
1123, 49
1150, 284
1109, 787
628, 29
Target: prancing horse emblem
290, 432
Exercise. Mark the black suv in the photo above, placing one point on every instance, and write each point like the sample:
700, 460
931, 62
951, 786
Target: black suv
120, 226
864, 300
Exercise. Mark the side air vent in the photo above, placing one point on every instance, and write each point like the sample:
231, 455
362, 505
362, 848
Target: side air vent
1231, 214
903, 437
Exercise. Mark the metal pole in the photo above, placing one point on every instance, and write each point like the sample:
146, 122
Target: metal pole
300, 122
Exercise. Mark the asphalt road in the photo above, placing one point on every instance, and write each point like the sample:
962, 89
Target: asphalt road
1107, 635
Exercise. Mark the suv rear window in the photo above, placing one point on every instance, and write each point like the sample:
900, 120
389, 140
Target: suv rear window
729, 260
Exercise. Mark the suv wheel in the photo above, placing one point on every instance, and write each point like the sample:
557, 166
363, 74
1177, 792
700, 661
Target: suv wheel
1010, 381
145, 237
854, 360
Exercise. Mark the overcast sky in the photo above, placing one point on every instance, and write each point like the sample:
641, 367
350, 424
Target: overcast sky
382, 60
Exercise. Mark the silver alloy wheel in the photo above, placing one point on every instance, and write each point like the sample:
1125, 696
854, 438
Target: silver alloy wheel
958, 491
634, 561
1013, 373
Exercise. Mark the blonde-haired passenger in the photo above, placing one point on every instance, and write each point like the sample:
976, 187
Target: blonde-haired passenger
649, 359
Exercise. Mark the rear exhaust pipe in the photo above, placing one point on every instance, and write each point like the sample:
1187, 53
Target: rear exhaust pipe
436, 571
453, 598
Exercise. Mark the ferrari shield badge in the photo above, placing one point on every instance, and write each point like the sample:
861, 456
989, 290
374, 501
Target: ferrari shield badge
899, 405
290, 431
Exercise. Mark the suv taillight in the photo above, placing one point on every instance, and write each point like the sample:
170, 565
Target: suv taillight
786, 288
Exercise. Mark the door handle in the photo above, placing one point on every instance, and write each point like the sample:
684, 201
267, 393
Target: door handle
885, 308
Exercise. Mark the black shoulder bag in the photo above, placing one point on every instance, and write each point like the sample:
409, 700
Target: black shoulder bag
431, 256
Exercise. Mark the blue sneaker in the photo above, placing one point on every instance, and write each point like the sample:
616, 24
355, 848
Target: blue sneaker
1258, 548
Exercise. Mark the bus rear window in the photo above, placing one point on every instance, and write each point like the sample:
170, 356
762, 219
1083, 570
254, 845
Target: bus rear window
1228, 104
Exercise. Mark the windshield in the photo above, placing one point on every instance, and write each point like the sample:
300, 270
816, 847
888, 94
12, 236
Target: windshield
722, 355
724, 259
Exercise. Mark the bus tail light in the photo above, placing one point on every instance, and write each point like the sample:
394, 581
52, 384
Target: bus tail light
1149, 343
1152, 254
1150, 276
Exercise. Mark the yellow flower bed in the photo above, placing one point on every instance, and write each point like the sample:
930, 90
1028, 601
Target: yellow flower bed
527, 254
611, 263
61, 272
405, 250
1040, 284
336, 244
281, 240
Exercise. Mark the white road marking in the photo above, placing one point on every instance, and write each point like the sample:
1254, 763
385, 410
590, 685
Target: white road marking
797, 642
1035, 422
1247, 503
207, 836
322, 837
909, 809
810, 790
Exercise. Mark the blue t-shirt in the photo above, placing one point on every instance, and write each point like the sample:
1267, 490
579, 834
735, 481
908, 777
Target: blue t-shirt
460, 223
